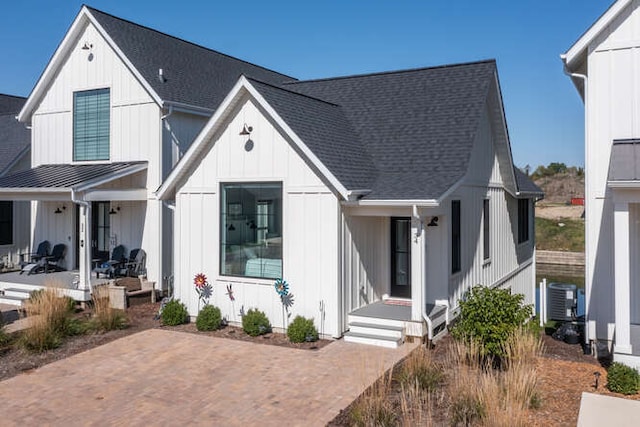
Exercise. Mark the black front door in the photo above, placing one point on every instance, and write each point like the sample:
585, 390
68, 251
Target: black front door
401, 257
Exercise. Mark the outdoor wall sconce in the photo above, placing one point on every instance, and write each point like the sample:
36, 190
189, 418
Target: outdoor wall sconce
246, 130
87, 46
59, 209
114, 211
231, 227
433, 222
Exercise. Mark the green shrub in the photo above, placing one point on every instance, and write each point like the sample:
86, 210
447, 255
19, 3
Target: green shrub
489, 316
209, 318
174, 313
622, 379
255, 323
301, 330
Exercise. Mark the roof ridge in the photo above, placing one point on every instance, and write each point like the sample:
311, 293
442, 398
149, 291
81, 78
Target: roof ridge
292, 92
381, 73
93, 9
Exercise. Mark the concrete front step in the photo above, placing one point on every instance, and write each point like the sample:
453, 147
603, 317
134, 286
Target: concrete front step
377, 340
396, 332
11, 300
375, 321
18, 292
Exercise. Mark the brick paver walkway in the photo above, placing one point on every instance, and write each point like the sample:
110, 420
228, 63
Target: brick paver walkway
160, 377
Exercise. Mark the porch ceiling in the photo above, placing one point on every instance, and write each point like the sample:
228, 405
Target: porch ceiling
56, 182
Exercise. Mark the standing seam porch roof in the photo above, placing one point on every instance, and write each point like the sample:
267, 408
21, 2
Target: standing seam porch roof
65, 176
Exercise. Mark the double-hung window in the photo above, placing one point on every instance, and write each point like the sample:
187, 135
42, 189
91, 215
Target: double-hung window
251, 230
91, 123
456, 241
6, 222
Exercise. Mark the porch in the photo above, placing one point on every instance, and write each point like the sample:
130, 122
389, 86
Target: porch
15, 287
386, 323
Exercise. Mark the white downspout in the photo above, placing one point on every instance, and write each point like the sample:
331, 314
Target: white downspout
423, 309
85, 276
588, 332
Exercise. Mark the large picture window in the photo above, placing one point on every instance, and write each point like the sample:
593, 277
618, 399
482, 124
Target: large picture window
251, 230
91, 122
6, 222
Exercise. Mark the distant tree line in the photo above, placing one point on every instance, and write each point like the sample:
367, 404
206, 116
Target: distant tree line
554, 168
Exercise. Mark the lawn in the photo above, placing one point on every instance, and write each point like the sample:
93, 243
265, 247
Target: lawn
560, 235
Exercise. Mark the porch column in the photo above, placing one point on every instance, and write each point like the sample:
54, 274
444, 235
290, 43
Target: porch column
85, 247
417, 269
622, 278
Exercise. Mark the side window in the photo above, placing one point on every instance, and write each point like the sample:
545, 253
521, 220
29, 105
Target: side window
456, 253
91, 125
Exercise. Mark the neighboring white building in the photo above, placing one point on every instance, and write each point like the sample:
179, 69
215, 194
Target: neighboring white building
394, 192
15, 141
604, 65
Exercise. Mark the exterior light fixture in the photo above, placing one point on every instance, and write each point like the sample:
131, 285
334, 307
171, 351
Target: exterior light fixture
114, 211
59, 210
433, 222
246, 130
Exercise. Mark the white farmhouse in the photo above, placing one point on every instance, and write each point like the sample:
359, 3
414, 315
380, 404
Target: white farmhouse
604, 65
379, 198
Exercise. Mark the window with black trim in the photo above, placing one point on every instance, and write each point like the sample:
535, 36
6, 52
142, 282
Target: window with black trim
486, 230
456, 252
523, 220
91, 125
6, 223
251, 230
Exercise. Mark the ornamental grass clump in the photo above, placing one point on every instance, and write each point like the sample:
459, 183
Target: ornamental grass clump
622, 379
255, 323
420, 370
302, 329
105, 318
49, 320
209, 318
174, 313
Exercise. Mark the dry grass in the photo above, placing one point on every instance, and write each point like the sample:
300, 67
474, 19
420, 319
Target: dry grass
106, 318
374, 408
48, 314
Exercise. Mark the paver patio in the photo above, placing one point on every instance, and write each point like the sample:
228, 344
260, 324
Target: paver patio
161, 377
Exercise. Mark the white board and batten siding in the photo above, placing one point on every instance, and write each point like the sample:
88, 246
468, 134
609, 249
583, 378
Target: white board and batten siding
509, 264
612, 112
310, 225
135, 117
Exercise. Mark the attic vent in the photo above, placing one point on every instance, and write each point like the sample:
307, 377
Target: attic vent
161, 75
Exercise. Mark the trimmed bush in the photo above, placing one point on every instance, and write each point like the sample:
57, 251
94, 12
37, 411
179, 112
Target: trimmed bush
174, 313
622, 379
489, 316
209, 318
302, 330
255, 323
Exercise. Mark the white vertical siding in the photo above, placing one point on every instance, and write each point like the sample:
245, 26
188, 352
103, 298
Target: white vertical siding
508, 264
56, 228
634, 253
613, 112
310, 225
366, 257
135, 118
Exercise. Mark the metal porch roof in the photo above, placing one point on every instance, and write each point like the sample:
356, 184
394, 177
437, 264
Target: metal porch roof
67, 176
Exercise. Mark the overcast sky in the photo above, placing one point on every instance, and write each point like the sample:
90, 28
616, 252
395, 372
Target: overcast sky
328, 38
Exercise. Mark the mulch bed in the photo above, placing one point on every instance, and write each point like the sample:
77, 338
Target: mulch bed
236, 333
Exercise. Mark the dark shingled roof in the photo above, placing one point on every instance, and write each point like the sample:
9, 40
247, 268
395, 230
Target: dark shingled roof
10, 104
624, 164
62, 176
418, 126
323, 127
525, 184
195, 75
15, 138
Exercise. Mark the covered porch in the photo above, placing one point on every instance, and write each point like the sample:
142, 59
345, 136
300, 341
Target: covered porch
394, 273
88, 208
14, 287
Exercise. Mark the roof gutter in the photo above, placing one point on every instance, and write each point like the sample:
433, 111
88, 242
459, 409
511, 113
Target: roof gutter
583, 77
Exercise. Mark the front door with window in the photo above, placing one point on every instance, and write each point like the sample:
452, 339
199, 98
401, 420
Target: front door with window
401, 257
100, 230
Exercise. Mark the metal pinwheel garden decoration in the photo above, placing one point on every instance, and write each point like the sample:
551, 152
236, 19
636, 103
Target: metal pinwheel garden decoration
286, 298
203, 288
